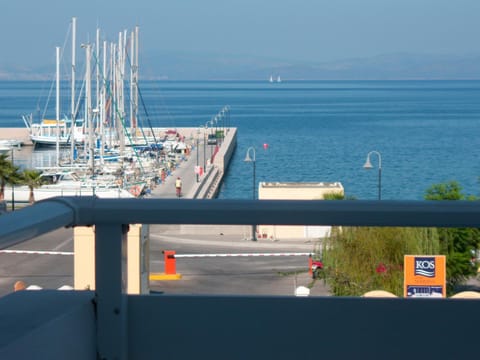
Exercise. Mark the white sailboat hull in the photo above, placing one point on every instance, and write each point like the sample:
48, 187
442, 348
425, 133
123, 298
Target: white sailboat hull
22, 193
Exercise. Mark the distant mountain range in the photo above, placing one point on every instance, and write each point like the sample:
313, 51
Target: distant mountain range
222, 67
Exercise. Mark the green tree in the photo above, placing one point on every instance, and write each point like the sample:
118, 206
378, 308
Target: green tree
33, 180
458, 244
360, 259
8, 174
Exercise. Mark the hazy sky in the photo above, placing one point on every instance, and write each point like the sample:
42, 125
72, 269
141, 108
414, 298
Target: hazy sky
302, 30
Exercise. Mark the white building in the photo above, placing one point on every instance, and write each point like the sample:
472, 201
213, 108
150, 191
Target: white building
295, 191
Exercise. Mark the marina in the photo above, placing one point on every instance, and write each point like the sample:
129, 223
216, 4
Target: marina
109, 182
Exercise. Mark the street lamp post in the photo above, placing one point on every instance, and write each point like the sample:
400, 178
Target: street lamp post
196, 169
213, 135
368, 165
227, 113
205, 129
248, 158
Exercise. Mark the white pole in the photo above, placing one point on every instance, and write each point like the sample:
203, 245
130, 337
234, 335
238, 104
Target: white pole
120, 104
72, 104
136, 76
113, 93
88, 100
57, 116
103, 100
132, 87
97, 62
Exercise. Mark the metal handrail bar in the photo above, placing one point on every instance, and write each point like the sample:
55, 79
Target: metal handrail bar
54, 213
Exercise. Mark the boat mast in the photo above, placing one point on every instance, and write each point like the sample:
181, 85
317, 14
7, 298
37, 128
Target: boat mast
113, 94
119, 101
72, 115
103, 99
132, 86
134, 82
88, 105
99, 125
57, 106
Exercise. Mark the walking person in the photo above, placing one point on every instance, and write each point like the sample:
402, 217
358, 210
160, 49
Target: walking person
178, 186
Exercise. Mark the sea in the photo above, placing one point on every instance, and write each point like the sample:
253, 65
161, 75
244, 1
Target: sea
424, 132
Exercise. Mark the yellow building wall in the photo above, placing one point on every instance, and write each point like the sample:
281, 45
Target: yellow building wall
294, 191
137, 259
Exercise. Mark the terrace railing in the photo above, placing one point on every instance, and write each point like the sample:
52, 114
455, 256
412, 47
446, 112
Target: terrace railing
108, 324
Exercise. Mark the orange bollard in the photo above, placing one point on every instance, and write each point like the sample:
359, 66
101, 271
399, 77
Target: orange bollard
310, 263
170, 262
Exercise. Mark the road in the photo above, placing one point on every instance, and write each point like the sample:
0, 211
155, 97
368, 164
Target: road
265, 275
242, 275
47, 271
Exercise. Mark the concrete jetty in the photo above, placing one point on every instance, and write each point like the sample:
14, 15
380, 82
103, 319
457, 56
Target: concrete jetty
216, 158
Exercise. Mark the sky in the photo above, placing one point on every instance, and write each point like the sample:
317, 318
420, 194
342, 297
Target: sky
307, 31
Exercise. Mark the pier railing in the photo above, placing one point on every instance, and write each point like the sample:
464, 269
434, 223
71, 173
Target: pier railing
108, 324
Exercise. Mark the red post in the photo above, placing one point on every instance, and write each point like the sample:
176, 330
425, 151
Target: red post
170, 262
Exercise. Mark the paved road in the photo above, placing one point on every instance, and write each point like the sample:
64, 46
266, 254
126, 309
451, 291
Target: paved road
231, 275
47, 271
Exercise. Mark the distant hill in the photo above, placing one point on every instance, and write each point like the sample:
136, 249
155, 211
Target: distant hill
223, 67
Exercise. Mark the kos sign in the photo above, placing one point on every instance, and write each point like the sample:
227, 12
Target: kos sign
424, 276
425, 266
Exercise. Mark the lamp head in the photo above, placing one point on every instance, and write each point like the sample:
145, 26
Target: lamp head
247, 157
368, 164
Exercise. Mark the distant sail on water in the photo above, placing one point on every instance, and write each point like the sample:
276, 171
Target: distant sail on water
277, 80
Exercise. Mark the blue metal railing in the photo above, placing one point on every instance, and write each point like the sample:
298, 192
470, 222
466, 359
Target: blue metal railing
112, 216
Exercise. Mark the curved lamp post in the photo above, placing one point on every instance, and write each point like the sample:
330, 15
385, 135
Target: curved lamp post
205, 130
252, 160
198, 135
248, 158
368, 165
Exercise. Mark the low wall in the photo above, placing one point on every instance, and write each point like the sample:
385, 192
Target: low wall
209, 186
226, 150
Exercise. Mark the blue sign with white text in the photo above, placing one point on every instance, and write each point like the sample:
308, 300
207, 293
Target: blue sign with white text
425, 266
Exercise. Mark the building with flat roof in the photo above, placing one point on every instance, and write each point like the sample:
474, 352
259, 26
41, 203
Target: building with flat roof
295, 191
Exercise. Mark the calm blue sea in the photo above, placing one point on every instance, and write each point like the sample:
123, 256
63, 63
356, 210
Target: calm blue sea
427, 132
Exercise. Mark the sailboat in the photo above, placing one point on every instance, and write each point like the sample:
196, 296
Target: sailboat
57, 132
278, 79
271, 78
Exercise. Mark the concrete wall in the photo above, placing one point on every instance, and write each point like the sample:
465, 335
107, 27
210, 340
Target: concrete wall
225, 152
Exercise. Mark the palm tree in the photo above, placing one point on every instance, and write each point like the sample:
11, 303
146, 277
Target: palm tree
33, 180
8, 174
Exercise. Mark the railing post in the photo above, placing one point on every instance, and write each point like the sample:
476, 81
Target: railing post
110, 285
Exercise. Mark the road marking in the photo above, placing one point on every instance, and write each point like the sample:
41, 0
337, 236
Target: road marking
36, 252
62, 244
